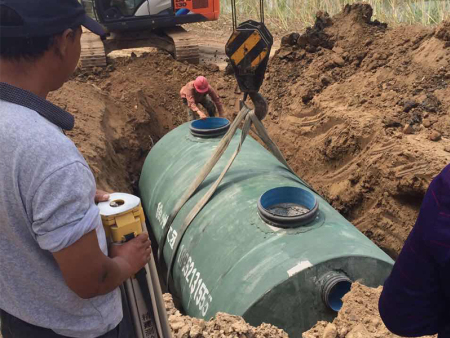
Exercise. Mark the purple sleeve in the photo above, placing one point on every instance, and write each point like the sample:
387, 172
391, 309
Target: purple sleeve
414, 302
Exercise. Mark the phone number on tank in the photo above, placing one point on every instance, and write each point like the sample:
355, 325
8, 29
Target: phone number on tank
196, 286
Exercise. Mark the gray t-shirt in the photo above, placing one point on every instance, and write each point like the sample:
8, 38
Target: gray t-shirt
46, 204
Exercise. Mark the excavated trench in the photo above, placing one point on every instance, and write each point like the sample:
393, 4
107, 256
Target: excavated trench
119, 119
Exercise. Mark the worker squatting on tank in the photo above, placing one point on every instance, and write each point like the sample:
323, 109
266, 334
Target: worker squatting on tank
199, 91
58, 277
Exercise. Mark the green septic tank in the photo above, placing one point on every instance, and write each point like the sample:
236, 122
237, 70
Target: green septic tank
231, 260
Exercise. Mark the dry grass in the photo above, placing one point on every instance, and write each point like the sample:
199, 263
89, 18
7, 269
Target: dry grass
289, 14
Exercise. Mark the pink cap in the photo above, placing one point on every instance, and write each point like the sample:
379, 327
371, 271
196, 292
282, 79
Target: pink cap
201, 84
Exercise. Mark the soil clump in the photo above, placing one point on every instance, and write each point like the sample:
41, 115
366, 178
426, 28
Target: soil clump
221, 326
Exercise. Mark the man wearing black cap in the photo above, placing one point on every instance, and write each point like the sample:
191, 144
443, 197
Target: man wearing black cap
56, 278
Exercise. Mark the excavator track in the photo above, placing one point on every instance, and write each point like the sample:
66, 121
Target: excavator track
186, 45
175, 40
92, 51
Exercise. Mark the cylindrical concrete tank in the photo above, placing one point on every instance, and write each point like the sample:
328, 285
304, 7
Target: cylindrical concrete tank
233, 261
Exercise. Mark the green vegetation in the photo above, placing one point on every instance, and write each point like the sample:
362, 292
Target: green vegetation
290, 13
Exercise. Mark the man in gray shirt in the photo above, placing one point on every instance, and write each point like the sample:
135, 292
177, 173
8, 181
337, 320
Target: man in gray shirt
56, 276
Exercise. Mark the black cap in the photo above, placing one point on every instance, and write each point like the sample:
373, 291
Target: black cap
47, 18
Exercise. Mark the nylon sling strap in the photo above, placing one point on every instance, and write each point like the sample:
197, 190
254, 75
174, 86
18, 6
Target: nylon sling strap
204, 200
250, 119
201, 177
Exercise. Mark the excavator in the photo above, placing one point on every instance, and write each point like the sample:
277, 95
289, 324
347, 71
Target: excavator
145, 23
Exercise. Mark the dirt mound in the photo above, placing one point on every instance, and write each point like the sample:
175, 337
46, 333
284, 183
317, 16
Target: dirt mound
358, 318
223, 325
360, 110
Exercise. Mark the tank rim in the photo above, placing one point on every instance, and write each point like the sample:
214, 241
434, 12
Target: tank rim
291, 195
209, 127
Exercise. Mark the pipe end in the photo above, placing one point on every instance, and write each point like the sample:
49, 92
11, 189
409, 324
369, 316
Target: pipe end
335, 285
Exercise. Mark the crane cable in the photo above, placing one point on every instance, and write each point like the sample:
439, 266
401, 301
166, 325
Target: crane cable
261, 9
234, 13
148, 7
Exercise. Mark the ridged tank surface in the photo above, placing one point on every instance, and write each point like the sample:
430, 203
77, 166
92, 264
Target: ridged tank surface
230, 260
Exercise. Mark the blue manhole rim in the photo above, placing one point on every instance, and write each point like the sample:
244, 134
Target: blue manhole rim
209, 127
290, 195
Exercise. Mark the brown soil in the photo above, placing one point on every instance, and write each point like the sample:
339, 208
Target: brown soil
341, 96
358, 317
223, 325
359, 110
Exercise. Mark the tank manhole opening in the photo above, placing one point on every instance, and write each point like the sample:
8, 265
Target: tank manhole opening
335, 286
210, 127
288, 207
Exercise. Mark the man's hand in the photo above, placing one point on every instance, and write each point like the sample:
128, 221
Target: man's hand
136, 253
89, 273
101, 196
221, 113
202, 115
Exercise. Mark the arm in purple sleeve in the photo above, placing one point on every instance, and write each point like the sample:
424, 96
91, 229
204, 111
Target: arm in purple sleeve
414, 302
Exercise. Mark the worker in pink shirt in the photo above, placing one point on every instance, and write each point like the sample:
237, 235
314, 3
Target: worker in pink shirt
199, 91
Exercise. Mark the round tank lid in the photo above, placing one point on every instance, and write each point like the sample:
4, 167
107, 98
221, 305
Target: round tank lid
209, 127
288, 207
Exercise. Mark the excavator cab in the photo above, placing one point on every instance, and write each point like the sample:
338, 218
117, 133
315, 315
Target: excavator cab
126, 15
